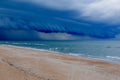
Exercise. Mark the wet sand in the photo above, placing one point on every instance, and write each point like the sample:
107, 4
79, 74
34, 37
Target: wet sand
26, 64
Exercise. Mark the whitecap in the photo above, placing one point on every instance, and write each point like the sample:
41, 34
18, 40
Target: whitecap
114, 57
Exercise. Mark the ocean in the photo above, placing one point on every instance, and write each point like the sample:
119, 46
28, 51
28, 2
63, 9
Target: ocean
108, 50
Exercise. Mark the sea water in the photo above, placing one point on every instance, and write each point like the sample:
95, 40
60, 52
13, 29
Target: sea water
108, 50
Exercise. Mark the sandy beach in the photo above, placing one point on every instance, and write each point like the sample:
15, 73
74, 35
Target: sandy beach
18, 63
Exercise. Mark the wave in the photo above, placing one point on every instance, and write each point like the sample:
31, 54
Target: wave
75, 54
113, 57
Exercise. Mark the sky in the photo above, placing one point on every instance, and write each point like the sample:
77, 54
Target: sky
59, 19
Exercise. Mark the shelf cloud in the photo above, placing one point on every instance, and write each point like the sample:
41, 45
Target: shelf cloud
97, 10
69, 19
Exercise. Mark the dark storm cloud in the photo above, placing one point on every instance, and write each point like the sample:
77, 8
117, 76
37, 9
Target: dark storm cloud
29, 19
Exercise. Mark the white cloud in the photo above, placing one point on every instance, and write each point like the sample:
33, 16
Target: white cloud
50, 36
97, 10
103, 10
61, 36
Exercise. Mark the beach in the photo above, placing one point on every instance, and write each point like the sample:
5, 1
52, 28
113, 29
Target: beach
17, 63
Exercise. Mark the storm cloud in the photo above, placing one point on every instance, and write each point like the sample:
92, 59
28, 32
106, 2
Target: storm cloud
100, 10
59, 19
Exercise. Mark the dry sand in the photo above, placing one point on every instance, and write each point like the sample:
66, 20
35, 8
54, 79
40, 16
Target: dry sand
25, 64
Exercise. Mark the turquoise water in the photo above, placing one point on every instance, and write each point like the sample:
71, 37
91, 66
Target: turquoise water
104, 50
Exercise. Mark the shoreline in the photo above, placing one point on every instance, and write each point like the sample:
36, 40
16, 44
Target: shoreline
55, 52
19, 63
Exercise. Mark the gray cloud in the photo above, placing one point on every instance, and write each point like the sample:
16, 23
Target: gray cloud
61, 36
96, 10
